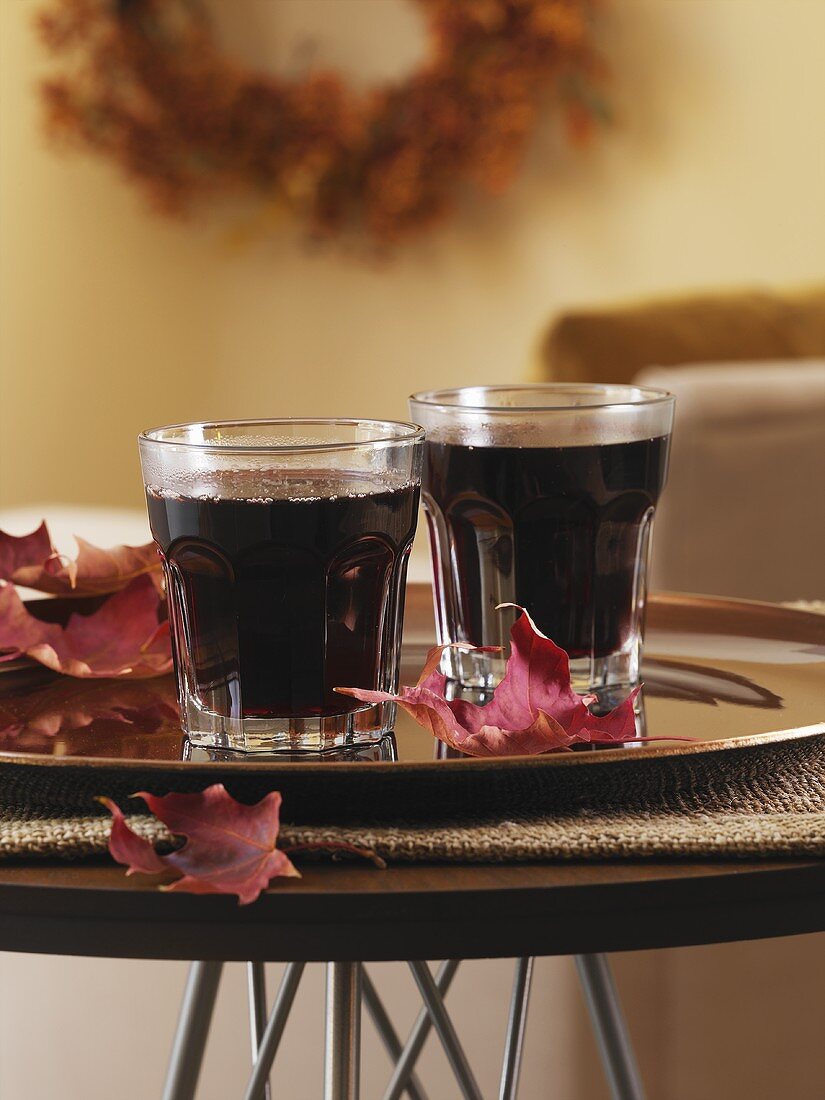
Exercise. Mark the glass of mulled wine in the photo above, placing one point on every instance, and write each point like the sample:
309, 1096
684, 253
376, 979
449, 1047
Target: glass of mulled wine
285, 546
544, 496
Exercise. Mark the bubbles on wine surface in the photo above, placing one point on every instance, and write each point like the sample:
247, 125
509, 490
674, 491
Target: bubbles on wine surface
262, 486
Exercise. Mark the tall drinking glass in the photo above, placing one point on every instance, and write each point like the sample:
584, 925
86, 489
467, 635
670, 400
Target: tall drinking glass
544, 496
285, 546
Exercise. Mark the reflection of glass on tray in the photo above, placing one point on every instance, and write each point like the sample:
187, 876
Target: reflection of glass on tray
719, 671
39, 710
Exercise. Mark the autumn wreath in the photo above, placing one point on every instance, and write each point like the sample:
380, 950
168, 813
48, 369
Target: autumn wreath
150, 87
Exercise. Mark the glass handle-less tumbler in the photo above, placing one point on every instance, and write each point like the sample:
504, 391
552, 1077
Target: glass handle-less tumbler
285, 546
544, 496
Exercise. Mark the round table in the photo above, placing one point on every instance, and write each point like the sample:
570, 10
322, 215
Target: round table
340, 913
349, 914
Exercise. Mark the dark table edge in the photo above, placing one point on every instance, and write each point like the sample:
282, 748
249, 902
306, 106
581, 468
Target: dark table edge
748, 903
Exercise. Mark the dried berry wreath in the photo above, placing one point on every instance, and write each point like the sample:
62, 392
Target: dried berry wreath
149, 86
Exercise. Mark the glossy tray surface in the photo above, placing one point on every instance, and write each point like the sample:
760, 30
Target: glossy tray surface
720, 673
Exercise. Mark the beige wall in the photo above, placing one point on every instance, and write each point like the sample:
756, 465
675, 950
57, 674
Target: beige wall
113, 319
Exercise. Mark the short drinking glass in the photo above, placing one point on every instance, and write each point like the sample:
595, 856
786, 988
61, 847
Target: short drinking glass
285, 546
544, 496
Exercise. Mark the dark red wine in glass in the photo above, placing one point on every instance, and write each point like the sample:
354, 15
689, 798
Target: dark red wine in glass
283, 589
555, 529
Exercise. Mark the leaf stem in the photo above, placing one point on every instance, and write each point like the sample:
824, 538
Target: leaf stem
334, 847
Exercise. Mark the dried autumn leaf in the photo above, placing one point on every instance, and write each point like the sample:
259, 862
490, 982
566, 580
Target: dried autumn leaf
124, 637
32, 561
533, 710
21, 552
230, 847
127, 847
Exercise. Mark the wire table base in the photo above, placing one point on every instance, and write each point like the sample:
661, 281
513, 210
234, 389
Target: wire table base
348, 988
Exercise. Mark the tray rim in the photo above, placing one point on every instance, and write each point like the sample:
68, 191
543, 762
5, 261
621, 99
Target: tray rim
417, 594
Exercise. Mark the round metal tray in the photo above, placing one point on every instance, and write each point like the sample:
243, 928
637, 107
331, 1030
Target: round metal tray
721, 674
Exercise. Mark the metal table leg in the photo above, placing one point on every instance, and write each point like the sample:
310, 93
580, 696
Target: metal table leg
609, 1025
274, 1030
388, 1034
445, 1030
343, 1029
342, 1055
418, 1036
516, 1024
256, 986
192, 1031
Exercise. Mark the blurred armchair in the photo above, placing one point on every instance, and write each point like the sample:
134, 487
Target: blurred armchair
744, 511
612, 344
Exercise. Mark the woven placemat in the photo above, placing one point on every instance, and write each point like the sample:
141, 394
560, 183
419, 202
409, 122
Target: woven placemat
586, 837
765, 801
762, 801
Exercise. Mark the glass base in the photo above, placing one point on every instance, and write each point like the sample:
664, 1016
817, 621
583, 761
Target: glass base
608, 695
366, 726
385, 750
610, 679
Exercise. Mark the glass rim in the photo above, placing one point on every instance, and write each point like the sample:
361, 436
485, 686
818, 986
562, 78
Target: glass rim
409, 433
439, 399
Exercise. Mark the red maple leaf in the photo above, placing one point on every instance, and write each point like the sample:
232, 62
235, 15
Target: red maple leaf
32, 561
124, 637
230, 847
533, 710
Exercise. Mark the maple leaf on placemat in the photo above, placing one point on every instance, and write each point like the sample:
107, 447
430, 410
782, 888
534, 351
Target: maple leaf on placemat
533, 710
230, 847
32, 562
124, 637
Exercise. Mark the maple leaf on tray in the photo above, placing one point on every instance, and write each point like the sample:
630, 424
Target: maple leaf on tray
32, 562
124, 637
533, 710
230, 847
